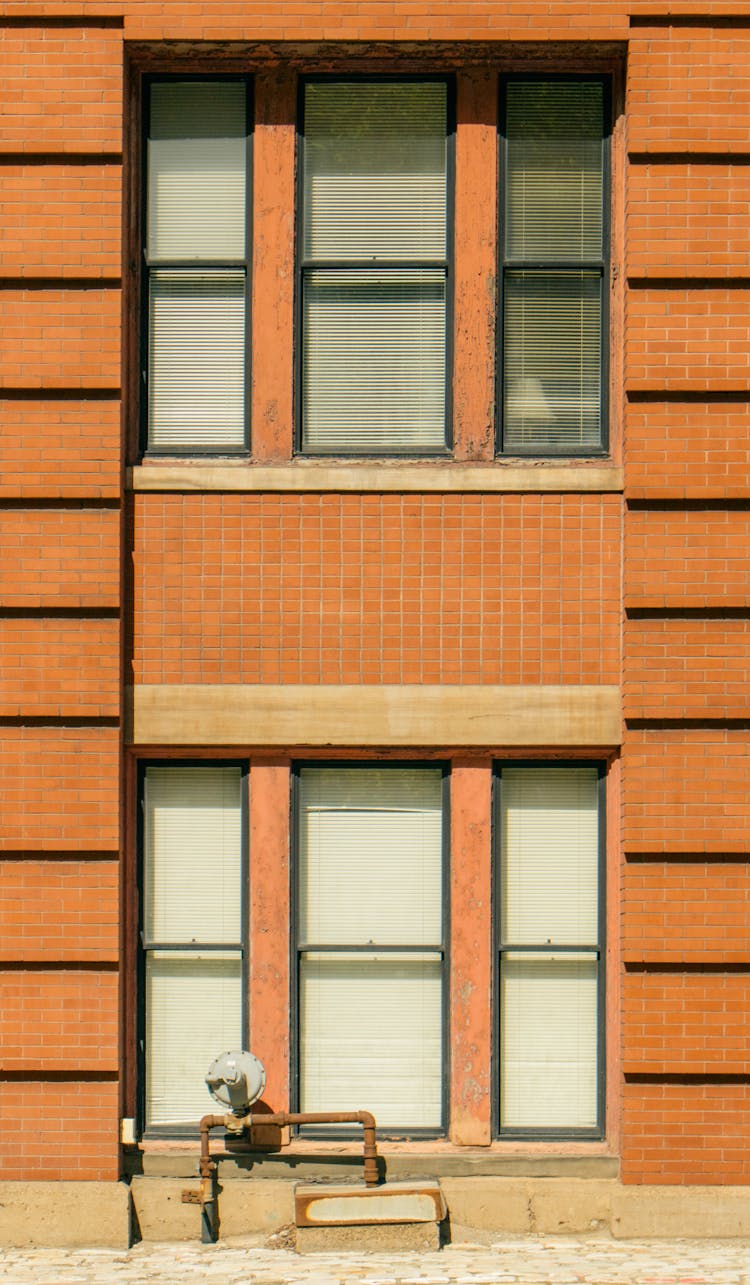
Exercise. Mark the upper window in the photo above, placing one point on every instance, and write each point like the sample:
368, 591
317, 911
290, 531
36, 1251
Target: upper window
374, 265
196, 252
554, 256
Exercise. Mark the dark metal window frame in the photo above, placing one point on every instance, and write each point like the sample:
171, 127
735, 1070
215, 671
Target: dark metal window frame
597, 951
244, 264
145, 946
509, 265
298, 950
304, 266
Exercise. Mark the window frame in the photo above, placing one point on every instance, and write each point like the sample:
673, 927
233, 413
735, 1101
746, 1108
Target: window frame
185, 1130
297, 950
541, 1133
244, 264
302, 265
507, 264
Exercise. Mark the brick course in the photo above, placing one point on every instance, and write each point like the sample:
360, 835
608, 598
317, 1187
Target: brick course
377, 589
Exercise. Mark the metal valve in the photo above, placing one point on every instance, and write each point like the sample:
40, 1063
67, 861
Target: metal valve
236, 1080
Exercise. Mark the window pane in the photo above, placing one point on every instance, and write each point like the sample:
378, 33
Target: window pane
371, 856
375, 171
374, 361
196, 171
552, 365
553, 198
197, 360
193, 1013
193, 855
550, 850
548, 1043
370, 1037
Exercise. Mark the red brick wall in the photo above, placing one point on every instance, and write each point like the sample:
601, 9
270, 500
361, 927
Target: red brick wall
377, 589
686, 759
61, 219
473, 589
685, 912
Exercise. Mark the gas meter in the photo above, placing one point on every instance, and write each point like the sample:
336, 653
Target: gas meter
236, 1080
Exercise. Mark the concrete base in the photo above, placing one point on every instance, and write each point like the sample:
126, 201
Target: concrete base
64, 1214
245, 1208
391, 1237
99, 1213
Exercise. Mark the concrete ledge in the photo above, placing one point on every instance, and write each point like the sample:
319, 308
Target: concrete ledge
349, 715
395, 1202
368, 476
573, 1205
245, 1208
639, 1212
64, 1214
394, 1237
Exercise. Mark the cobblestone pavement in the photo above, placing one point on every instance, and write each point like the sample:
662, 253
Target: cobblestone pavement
510, 1260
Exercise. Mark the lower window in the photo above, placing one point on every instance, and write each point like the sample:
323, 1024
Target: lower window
370, 949
192, 935
550, 831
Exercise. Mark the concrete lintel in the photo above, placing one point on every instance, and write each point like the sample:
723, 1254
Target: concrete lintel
343, 716
366, 476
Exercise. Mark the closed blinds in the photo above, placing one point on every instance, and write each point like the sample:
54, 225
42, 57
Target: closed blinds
192, 898
197, 257
374, 247
370, 877
554, 260
549, 897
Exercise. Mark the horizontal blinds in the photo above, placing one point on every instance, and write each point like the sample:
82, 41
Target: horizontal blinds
374, 361
192, 855
370, 1038
554, 170
549, 836
548, 1043
375, 171
193, 1013
552, 361
370, 872
196, 171
370, 856
196, 359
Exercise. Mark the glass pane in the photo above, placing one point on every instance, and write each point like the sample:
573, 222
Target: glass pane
374, 362
197, 360
196, 171
550, 853
371, 1038
371, 856
192, 855
548, 1043
375, 171
553, 198
552, 366
193, 1013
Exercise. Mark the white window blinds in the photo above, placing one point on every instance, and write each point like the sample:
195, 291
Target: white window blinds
369, 887
554, 266
197, 258
374, 267
192, 933
549, 898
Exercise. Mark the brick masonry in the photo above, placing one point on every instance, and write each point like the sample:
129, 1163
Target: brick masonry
374, 588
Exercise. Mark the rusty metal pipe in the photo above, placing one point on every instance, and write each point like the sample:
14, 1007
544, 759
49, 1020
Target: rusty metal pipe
365, 1118
234, 1124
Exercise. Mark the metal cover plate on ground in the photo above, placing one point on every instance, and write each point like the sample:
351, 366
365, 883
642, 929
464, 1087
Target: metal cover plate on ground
317, 1205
